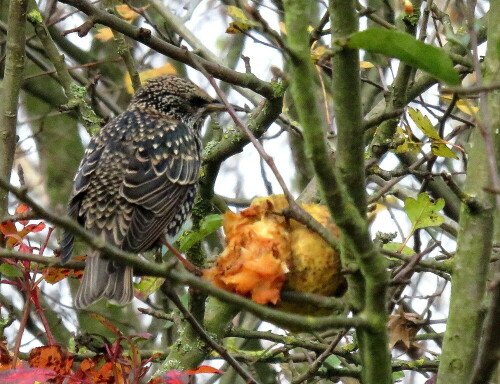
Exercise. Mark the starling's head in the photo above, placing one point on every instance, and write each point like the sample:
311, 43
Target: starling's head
176, 97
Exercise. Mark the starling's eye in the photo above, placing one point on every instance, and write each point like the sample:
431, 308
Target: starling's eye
197, 101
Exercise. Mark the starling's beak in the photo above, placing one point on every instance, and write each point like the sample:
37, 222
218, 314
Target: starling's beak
217, 106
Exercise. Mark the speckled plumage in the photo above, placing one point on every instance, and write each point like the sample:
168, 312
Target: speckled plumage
137, 180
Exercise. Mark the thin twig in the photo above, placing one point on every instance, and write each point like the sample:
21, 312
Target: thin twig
22, 326
474, 89
144, 36
406, 269
76, 95
170, 293
316, 364
157, 314
430, 265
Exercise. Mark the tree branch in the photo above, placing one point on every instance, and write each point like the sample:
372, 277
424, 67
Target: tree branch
144, 36
11, 85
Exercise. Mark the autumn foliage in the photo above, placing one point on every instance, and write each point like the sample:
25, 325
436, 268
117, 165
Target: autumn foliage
53, 364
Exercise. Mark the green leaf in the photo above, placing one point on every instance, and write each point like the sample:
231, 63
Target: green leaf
148, 285
10, 270
438, 145
406, 48
167, 324
423, 212
333, 361
208, 225
423, 123
398, 375
396, 247
408, 146
211, 223
439, 148
185, 299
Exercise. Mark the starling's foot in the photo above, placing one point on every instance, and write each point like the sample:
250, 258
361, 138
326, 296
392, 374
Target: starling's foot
190, 267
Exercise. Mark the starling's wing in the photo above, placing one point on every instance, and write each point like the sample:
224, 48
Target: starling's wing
107, 214
81, 184
160, 180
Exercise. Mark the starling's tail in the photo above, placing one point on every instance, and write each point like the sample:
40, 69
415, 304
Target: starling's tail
67, 247
104, 278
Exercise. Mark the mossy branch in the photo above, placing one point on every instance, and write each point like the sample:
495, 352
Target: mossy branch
11, 85
125, 53
144, 36
77, 95
460, 346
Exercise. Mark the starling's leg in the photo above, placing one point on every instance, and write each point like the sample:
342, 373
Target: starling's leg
190, 267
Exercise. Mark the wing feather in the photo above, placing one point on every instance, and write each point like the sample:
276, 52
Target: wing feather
159, 180
131, 187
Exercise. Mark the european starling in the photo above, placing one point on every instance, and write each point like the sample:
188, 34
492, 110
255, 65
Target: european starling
137, 180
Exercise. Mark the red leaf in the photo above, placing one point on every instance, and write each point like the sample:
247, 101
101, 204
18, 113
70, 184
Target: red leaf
25, 375
35, 227
53, 275
54, 358
21, 208
13, 239
182, 377
204, 369
96, 370
24, 248
8, 227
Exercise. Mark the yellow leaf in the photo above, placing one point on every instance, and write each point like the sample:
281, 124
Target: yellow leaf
408, 146
126, 13
316, 53
236, 13
365, 65
235, 28
466, 107
374, 209
282, 27
463, 105
148, 74
104, 34
240, 21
